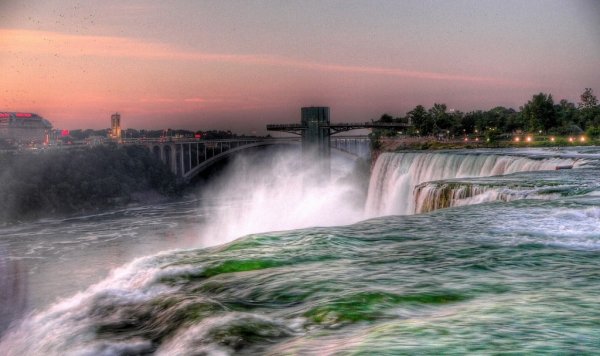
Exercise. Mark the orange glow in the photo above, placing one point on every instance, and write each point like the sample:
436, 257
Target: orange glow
570, 139
528, 138
582, 139
552, 139
517, 139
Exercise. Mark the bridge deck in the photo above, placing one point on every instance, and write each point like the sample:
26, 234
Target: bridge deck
336, 128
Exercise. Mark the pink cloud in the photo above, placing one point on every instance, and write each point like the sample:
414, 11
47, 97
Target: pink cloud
52, 43
195, 100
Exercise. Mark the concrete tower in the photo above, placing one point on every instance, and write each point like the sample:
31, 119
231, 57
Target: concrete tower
316, 137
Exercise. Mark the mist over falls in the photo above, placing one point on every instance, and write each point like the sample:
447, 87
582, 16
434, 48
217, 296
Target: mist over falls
278, 191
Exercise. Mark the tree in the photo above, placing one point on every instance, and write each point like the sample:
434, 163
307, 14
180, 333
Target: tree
469, 121
567, 117
589, 110
421, 120
539, 113
588, 99
441, 119
386, 118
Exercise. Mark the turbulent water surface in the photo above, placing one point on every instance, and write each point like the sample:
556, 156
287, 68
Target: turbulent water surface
450, 252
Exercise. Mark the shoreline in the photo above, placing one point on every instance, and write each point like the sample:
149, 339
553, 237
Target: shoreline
429, 143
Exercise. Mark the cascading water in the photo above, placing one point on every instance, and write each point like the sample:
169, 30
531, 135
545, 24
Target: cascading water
395, 177
450, 282
431, 196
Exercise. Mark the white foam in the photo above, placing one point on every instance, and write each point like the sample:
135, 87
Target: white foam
570, 228
67, 326
396, 175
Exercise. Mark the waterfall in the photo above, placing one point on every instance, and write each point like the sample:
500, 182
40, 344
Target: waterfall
397, 185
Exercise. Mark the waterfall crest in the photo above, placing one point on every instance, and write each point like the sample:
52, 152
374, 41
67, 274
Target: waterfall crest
397, 185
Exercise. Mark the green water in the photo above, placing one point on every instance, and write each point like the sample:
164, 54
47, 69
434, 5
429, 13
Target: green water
517, 277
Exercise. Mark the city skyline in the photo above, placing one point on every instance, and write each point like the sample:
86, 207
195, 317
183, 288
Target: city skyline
240, 65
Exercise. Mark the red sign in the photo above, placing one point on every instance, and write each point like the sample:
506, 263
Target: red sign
4, 114
23, 114
198, 135
64, 133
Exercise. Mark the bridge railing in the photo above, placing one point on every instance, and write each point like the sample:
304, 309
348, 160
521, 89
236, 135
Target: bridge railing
187, 140
285, 127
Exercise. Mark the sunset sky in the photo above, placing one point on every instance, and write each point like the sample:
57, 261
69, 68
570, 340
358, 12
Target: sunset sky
239, 65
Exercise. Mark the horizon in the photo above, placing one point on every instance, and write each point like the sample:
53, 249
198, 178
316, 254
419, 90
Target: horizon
240, 65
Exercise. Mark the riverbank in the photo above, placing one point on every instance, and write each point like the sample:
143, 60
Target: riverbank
67, 182
430, 143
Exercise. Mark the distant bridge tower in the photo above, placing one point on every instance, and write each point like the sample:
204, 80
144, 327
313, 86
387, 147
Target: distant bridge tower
316, 130
316, 136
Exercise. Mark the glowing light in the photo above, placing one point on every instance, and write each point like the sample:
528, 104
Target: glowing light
476, 138
64, 133
466, 139
517, 139
552, 139
570, 139
528, 138
582, 139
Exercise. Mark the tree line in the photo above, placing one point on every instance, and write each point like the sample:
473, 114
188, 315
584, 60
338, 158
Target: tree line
541, 114
35, 184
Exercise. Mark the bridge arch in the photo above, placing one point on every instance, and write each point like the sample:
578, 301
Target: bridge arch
202, 166
187, 159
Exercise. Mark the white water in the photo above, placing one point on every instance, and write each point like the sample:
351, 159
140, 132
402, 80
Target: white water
66, 328
280, 195
259, 197
431, 196
396, 175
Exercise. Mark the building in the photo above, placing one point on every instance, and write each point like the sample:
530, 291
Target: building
115, 126
23, 127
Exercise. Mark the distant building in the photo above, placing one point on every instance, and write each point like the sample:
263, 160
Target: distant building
23, 127
115, 126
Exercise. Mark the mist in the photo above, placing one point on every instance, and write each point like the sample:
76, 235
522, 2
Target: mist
260, 192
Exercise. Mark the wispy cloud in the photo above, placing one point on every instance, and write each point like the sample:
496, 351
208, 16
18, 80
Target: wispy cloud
195, 100
59, 44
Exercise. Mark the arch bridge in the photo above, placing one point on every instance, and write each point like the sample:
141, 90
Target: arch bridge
187, 157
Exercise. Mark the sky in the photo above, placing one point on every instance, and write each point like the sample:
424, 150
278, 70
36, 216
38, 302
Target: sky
239, 65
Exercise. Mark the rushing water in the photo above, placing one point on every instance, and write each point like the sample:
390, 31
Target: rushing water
507, 258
